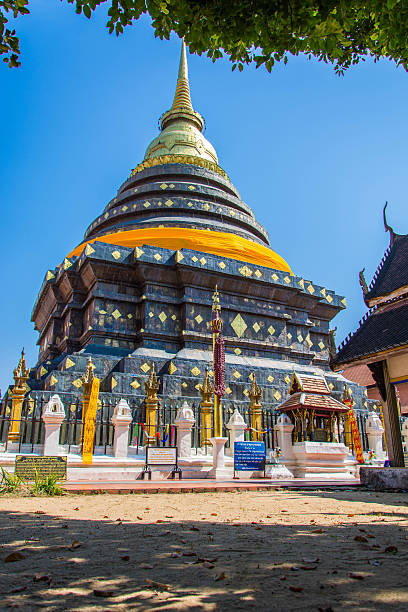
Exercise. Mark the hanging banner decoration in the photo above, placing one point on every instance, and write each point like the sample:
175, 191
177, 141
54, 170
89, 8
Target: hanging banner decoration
89, 424
219, 356
354, 432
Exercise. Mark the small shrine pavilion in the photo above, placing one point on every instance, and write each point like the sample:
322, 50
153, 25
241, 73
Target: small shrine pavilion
314, 412
376, 354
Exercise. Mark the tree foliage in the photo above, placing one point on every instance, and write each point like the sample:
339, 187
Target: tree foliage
341, 32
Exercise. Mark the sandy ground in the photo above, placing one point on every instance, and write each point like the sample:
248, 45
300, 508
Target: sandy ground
279, 550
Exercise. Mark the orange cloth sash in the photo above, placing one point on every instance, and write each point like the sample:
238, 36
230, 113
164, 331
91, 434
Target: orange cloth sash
206, 241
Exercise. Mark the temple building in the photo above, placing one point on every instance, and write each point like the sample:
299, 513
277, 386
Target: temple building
138, 288
376, 354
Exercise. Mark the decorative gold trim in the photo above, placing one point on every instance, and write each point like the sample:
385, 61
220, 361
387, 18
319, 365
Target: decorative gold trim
180, 159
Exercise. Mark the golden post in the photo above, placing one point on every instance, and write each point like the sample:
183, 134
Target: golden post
347, 423
89, 423
216, 328
17, 396
87, 380
151, 402
255, 394
206, 391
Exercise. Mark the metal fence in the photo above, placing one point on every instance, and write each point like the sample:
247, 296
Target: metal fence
32, 427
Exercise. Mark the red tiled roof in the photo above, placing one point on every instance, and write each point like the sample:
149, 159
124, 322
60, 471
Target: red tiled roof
313, 401
313, 384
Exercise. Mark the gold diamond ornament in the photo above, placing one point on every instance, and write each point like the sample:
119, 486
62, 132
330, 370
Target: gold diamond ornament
239, 326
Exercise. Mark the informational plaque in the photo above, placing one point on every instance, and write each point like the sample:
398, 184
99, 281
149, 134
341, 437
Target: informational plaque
156, 455
249, 456
89, 423
31, 468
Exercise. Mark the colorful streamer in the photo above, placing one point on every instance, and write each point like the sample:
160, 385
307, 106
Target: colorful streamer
156, 435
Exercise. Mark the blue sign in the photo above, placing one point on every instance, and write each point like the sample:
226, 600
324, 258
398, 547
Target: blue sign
249, 456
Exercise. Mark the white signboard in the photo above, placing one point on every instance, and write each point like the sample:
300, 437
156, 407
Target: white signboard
161, 456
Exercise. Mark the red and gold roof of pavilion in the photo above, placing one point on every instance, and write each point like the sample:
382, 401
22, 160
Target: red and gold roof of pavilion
312, 393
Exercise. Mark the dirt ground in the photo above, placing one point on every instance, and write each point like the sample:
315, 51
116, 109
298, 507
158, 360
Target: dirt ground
280, 550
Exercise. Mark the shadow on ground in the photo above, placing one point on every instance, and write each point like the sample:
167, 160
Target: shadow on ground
193, 565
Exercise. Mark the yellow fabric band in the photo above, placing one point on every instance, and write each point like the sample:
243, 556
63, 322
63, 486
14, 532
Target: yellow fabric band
205, 241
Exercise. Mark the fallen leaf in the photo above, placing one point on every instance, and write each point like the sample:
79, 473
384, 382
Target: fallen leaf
208, 565
119, 519
159, 521
176, 555
15, 556
356, 576
139, 518
41, 578
318, 531
125, 558
158, 585
169, 516
284, 510
189, 553
220, 576
282, 578
214, 514
76, 508
391, 549
258, 528
103, 593
296, 589
294, 568
75, 544
350, 515
310, 560
164, 533
307, 567
194, 528
145, 566
106, 516
359, 538
374, 562
39, 512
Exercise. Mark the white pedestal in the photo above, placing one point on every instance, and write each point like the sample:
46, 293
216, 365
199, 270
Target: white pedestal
184, 422
327, 460
53, 415
236, 426
219, 471
121, 419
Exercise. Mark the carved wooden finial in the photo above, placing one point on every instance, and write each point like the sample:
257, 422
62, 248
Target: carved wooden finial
387, 227
216, 300
363, 283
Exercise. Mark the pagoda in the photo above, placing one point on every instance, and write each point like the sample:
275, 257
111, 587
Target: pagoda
138, 288
376, 354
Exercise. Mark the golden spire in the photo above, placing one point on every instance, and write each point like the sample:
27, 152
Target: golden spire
152, 385
88, 377
255, 392
206, 390
182, 98
182, 108
21, 373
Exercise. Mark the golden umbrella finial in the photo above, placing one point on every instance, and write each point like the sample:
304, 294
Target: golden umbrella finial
216, 300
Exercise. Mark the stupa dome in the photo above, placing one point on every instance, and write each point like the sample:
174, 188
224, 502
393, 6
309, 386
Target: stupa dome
179, 197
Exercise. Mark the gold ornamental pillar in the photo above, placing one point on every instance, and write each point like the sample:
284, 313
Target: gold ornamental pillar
87, 380
151, 402
347, 424
206, 390
255, 407
17, 396
216, 327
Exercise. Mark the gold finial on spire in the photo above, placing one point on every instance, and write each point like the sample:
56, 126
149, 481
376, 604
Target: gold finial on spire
255, 392
21, 373
182, 98
88, 377
182, 108
216, 300
152, 385
206, 390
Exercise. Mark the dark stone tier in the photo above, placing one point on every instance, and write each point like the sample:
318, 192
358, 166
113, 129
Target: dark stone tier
128, 307
178, 195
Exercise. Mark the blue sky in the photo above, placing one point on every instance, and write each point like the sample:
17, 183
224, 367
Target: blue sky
313, 154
